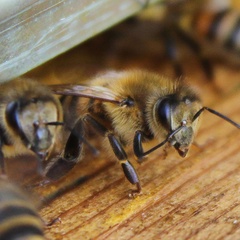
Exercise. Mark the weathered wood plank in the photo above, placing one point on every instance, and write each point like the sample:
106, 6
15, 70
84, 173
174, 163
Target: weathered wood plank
34, 31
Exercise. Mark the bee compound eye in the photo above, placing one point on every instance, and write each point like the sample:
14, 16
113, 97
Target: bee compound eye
163, 112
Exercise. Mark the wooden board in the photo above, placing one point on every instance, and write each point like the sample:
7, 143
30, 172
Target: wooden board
34, 31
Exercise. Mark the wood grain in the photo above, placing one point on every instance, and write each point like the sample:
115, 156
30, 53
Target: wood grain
192, 198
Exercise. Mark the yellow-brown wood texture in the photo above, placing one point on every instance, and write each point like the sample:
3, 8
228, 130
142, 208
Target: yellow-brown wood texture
197, 197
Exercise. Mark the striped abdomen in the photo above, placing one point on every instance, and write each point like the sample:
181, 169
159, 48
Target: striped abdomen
18, 217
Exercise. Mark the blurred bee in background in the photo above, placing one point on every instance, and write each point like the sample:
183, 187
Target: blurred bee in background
209, 28
128, 109
18, 216
29, 119
217, 25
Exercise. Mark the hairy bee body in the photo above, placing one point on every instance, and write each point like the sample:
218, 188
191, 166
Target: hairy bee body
27, 111
127, 108
18, 217
140, 90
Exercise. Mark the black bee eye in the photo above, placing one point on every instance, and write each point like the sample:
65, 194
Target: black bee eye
163, 112
12, 115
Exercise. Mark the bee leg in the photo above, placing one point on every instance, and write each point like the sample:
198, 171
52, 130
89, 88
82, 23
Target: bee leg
58, 168
196, 48
127, 167
172, 52
138, 148
137, 145
119, 152
61, 165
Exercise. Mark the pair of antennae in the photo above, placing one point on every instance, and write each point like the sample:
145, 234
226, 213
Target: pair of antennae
168, 138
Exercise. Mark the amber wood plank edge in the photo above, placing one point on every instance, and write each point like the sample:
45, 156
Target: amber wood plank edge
34, 31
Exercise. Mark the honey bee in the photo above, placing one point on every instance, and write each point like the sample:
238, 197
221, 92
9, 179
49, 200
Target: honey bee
29, 116
18, 216
129, 108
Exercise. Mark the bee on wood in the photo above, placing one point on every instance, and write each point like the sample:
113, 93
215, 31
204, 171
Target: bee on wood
128, 109
18, 216
29, 116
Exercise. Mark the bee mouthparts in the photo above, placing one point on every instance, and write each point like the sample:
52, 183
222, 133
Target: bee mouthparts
181, 151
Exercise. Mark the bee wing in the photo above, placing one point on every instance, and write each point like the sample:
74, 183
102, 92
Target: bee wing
95, 92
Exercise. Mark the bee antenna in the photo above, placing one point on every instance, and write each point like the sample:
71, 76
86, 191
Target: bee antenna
168, 138
55, 123
217, 114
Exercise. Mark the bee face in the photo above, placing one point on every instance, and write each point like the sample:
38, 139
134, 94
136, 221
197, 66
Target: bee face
29, 118
174, 111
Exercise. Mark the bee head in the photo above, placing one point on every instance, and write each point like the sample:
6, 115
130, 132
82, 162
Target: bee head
30, 119
176, 112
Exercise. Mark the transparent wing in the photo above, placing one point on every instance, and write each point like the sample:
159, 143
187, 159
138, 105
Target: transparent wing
95, 92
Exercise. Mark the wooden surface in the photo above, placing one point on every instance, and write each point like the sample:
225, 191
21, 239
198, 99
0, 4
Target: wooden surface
197, 197
34, 31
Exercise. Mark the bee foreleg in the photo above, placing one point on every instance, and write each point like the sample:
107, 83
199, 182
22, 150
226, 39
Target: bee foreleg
138, 148
137, 145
